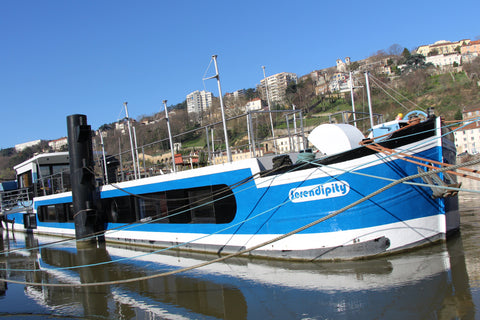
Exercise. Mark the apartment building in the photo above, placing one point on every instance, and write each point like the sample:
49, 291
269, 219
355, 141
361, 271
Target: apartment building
443, 60
441, 47
254, 105
277, 85
236, 94
473, 48
289, 144
467, 139
57, 144
22, 146
199, 101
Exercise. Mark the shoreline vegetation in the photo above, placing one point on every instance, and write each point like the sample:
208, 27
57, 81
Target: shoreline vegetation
416, 86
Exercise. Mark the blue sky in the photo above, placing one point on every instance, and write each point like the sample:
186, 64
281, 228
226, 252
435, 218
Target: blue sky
62, 57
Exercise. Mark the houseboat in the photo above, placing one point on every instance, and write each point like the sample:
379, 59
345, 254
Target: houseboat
234, 206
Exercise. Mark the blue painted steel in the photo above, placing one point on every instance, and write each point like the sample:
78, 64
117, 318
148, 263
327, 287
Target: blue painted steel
401, 203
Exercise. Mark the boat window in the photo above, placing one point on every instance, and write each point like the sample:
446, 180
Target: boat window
44, 171
201, 205
29, 221
178, 206
70, 211
122, 210
25, 179
61, 212
41, 213
47, 213
225, 204
60, 168
55, 213
154, 206
212, 204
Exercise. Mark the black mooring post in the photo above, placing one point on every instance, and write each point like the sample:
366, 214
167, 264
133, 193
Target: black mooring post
84, 193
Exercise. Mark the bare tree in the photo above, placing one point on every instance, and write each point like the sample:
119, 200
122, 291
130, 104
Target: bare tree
395, 49
472, 69
415, 80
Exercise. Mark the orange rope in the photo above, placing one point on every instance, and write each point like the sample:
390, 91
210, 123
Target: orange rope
425, 159
398, 155
409, 124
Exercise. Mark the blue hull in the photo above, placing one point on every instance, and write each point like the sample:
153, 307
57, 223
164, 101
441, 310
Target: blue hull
271, 205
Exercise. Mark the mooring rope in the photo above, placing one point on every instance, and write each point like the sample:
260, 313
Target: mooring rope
152, 220
418, 184
239, 183
134, 224
403, 156
351, 171
242, 252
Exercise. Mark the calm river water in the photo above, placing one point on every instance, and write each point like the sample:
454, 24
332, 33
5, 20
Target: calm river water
438, 282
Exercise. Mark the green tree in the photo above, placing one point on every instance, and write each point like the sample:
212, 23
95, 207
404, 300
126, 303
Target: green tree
458, 115
415, 62
8, 152
251, 93
354, 66
406, 54
105, 127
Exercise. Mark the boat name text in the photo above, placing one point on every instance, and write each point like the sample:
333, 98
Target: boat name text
319, 191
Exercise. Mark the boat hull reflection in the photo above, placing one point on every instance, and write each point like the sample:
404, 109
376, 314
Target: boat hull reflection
415, 285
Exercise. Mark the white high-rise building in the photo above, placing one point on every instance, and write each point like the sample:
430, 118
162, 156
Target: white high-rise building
199, 101
277, 84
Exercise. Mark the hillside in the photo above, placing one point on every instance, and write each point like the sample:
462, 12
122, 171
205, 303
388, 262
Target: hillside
418, 88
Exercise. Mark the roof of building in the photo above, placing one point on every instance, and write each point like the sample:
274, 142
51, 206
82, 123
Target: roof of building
471, 126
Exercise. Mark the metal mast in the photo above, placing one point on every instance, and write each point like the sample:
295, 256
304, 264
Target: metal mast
131, 141
104, 158
353, 101
170, 135
270, 110
217, 76
369, 100
136, 152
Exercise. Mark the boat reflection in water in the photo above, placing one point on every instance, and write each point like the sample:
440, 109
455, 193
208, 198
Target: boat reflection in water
427, 283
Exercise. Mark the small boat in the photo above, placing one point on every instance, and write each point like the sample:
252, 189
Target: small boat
272, 206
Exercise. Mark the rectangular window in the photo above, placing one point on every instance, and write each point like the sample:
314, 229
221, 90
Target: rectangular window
178, 206
122, 210
58, 168
44, 171
209, 204
70, 211
25, 179
201, 205
153, 206
49, 213
61, 212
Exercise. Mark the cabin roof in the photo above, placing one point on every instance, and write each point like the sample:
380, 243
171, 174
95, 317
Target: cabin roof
45, 158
